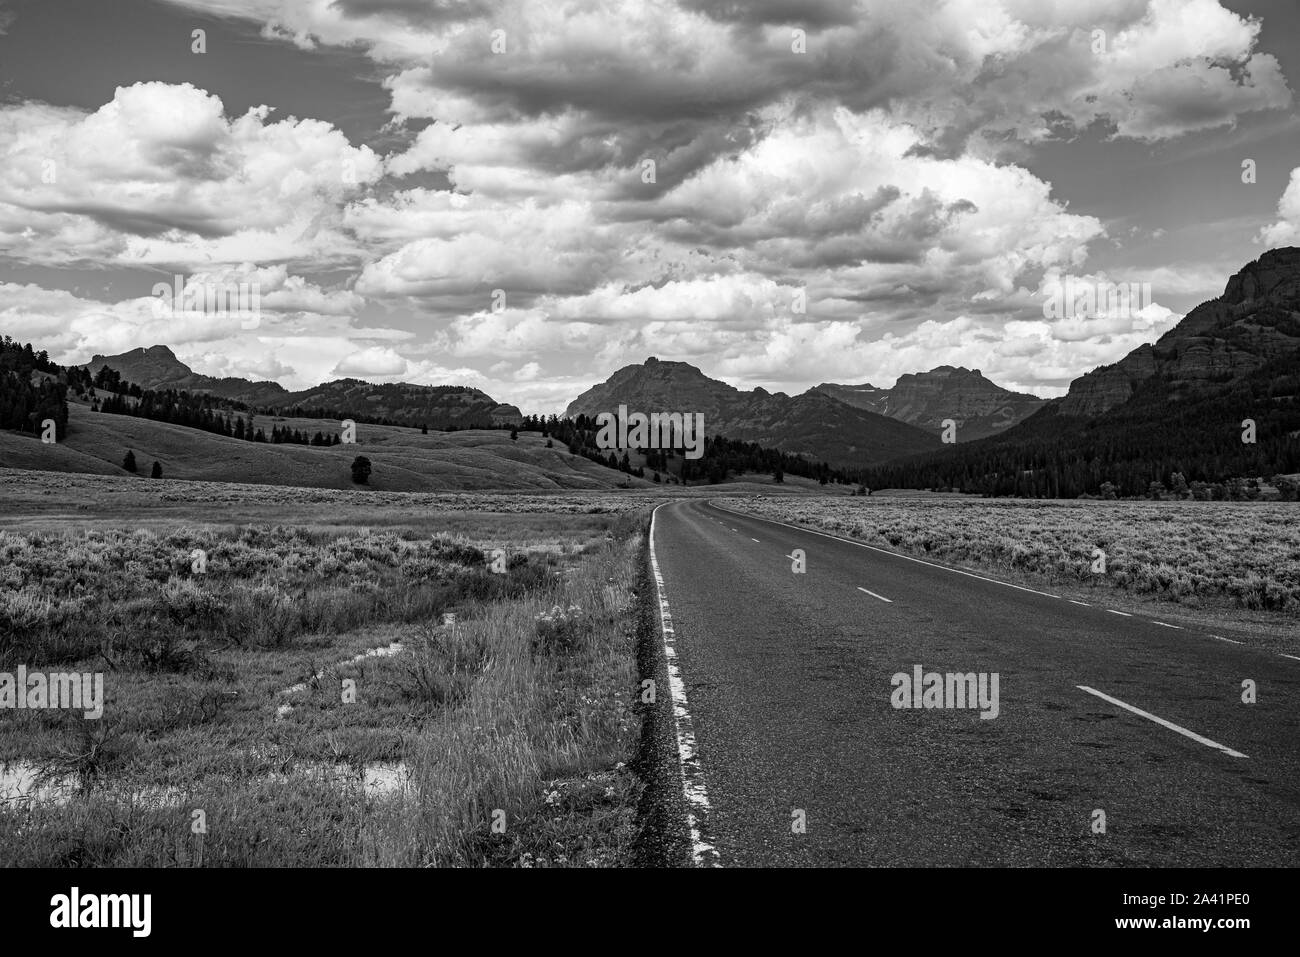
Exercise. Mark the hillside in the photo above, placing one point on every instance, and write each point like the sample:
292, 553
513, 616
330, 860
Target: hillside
1169, 412
403, 459
438, 407
814, 424
924, 399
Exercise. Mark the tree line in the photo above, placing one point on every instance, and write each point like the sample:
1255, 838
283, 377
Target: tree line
26, 399
722, 458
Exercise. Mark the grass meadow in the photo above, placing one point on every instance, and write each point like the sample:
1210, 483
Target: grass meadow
368, 680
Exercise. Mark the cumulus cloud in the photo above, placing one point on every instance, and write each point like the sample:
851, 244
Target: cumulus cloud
377, 361
1287, 228
160, 176
665, 177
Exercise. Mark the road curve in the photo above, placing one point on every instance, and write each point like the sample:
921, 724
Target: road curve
786, 682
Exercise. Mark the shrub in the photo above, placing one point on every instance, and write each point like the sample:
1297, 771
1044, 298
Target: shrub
361, 470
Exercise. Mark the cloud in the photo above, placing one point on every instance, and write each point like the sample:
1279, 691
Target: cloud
879, 176
1286, 230
160, 176
376, 362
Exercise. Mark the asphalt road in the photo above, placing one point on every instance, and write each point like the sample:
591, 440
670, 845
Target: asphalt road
786, 683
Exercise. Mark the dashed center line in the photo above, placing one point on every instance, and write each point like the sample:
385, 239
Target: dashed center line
1292, 657
1163, 723
874, 595
959, 571
882, 551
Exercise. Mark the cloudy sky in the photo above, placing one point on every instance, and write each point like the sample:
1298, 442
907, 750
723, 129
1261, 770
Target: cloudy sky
637, 178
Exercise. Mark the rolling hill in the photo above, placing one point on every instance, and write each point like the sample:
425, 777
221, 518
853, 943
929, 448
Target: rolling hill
403, 459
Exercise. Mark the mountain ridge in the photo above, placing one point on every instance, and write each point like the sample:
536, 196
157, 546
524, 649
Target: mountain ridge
1216, 340
157, 367
979, 406
813, 423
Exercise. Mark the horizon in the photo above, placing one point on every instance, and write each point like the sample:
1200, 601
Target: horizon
523, 410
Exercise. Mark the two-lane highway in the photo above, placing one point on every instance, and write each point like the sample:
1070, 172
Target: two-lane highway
786, 681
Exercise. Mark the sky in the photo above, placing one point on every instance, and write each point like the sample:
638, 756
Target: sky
526, 196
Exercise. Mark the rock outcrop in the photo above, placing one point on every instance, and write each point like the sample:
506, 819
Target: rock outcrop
1255, 320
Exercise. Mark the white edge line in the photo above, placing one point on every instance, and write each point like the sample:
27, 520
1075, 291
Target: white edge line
883, 551
874, 595
1292, 657
1163, 723
703, 853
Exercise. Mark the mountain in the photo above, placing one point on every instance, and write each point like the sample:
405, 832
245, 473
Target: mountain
815, 423
436, 406
1255, 320
158, 368
1170, 412
925, 399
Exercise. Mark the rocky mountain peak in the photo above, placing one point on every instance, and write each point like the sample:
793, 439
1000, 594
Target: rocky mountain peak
1274, 276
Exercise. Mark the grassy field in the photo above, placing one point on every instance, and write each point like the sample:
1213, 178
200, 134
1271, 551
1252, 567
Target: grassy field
226, 695
403, 459
1227, 556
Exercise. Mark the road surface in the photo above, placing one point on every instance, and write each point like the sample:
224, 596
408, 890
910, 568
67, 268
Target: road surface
785, 697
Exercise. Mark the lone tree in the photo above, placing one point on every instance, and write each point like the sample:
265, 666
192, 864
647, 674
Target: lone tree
360, 469
128, 463
156, 471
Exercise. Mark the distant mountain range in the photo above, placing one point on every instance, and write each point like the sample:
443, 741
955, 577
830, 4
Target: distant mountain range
435, 406
815, 423
925, 399
847, 426
1173, 406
